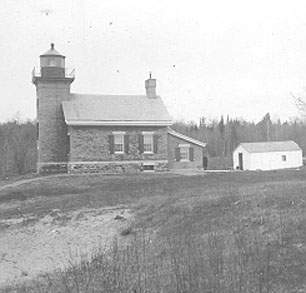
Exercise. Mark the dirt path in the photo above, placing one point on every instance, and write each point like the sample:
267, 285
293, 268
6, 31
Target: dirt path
24, 181
28, 249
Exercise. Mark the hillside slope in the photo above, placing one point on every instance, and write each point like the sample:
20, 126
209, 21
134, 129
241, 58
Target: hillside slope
232, 232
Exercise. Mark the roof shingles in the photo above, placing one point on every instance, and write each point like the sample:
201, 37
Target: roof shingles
111, 108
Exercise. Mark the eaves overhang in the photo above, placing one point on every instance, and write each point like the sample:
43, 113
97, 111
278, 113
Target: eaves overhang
118, 123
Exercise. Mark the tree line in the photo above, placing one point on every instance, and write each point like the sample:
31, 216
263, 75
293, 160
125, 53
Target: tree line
18, 152
224, 135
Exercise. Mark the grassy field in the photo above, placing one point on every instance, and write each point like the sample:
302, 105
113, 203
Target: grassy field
231, 232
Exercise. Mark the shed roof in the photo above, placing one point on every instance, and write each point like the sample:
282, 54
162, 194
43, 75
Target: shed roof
186, 138
270, 146
115, 110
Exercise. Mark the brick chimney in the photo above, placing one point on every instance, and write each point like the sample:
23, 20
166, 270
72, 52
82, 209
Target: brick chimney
150, 85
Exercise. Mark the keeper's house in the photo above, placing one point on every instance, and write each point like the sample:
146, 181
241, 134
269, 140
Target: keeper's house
267, 155
80, 133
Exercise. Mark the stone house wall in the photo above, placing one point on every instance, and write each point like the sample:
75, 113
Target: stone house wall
173, 144
91, 143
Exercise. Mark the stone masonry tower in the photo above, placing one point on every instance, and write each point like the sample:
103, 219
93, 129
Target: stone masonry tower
52, 81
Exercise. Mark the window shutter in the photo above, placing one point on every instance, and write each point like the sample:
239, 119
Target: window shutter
126, 144
177, 154
141, 143
111, 144
155, 144
37, 130
191, 154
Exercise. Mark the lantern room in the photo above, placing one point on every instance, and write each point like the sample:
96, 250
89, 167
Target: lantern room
52, 67
52, 58
52, 64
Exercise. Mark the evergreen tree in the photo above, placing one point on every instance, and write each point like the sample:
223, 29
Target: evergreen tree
221, 128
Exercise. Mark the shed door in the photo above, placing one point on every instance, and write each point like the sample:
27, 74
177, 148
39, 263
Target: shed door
240, 155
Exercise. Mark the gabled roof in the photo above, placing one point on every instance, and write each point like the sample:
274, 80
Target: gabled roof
186, 138
115, 110
270, 146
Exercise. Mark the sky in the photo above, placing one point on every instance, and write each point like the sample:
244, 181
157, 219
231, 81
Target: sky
210, 58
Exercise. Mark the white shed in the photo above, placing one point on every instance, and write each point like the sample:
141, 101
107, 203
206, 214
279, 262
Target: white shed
268, 155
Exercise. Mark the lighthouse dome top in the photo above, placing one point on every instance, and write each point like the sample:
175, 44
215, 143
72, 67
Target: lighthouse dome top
52, 52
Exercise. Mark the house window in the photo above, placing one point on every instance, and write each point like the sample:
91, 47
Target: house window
148, 167
118, 143
148, 143
284, 158
184, 152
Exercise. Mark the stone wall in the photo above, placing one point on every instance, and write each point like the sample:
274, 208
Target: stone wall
52, 168
173, 143
114, 167
92, 143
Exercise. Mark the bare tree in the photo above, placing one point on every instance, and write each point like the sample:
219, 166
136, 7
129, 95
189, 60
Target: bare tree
17, 147
300, 103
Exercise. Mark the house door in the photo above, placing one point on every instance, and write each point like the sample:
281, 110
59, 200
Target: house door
240, 156
205, 162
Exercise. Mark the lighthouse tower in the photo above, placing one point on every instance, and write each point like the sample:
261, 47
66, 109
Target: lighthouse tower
52, 81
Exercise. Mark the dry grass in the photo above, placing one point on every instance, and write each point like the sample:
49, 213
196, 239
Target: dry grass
236, 232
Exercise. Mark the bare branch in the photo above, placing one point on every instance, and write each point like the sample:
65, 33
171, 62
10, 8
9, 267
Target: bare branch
300, 103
